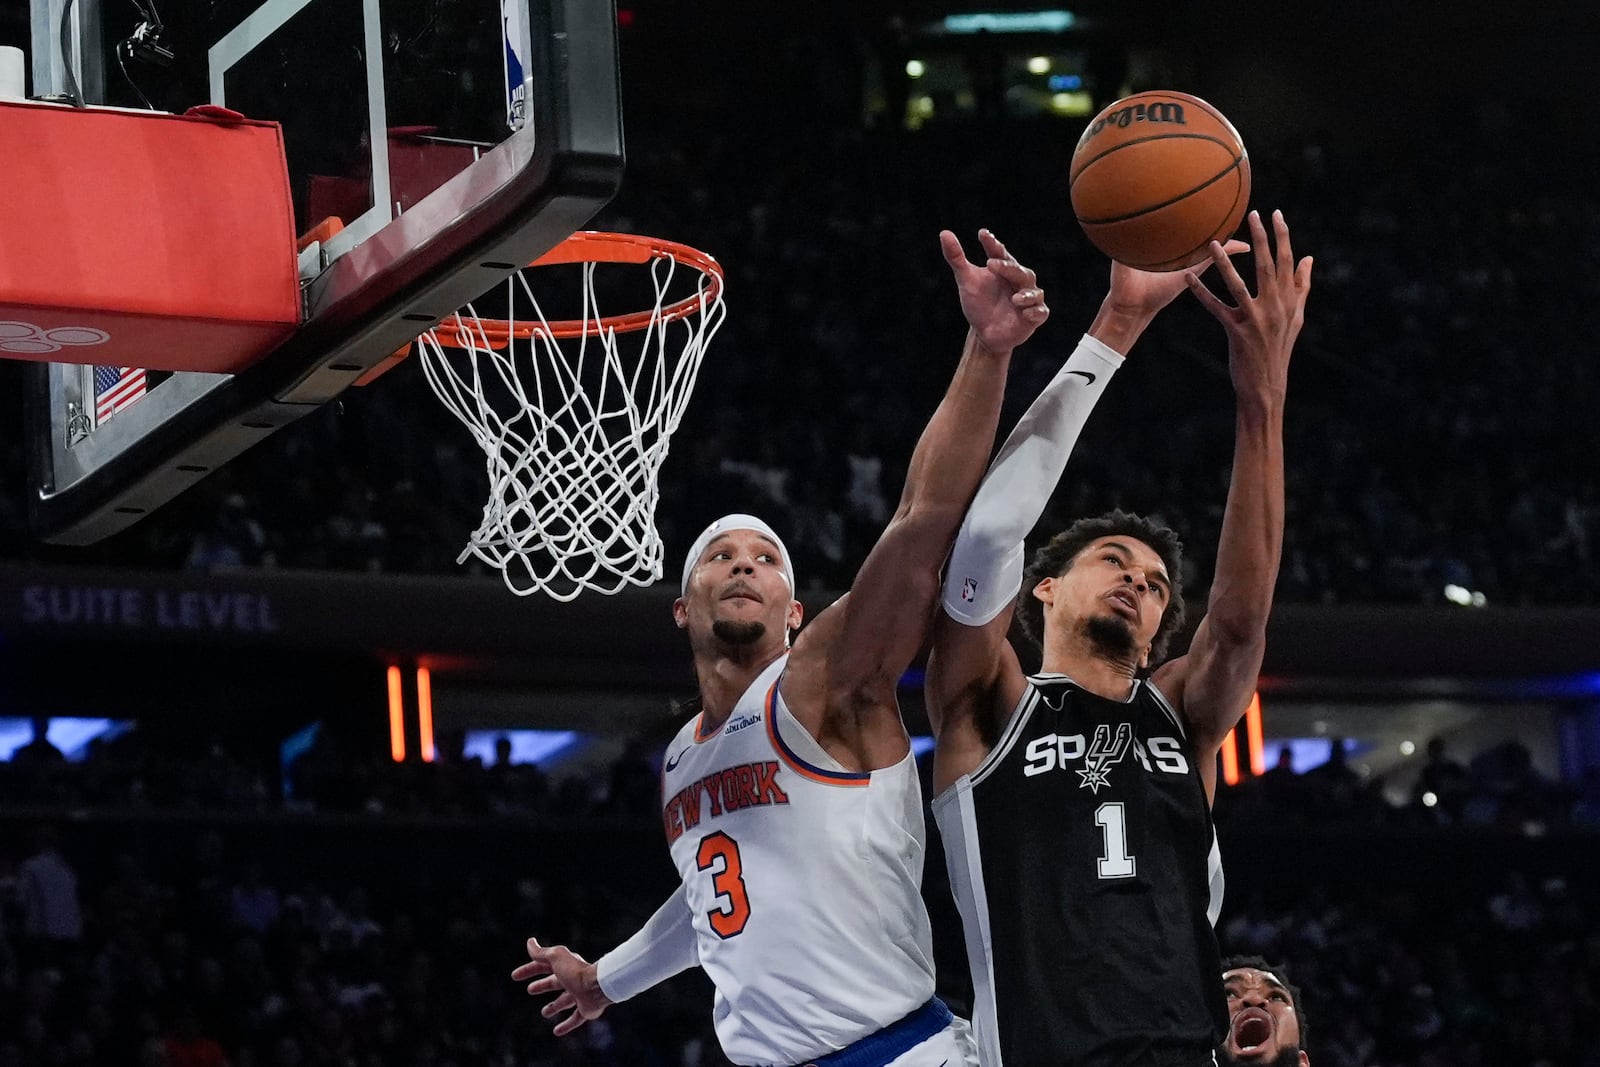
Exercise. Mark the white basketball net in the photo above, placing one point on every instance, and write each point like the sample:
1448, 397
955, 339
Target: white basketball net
574, 434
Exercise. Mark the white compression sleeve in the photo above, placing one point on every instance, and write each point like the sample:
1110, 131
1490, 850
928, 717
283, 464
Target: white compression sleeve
663, 947
985, 570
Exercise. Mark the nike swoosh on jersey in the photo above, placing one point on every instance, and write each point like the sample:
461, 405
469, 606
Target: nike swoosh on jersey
673, 761
1088, 377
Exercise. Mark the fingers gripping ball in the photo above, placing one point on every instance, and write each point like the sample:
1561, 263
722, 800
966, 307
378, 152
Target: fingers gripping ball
1158, 176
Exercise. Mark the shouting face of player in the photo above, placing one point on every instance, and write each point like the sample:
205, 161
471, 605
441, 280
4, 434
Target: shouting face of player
1263, 1024
738, 594
1114, 593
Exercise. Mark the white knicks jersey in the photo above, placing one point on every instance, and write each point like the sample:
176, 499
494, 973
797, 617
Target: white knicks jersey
803, 880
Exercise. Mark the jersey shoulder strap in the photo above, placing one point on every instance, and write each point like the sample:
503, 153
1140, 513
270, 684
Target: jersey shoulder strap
1160, 700
1008, 737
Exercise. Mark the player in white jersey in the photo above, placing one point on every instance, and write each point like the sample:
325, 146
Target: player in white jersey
791, 802
799, 851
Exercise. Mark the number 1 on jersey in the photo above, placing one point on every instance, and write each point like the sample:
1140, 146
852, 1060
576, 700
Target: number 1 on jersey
1116, 863
729, 919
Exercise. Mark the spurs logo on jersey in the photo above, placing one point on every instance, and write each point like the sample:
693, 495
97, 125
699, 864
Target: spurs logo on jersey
1104, 754
1061, 751
1123, 878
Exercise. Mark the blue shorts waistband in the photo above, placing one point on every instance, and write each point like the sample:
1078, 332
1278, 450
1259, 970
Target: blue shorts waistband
892, 1041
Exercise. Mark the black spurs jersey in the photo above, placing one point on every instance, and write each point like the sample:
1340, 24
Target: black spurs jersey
1085, 866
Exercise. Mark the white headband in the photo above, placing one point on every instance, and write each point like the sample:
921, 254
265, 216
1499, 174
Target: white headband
1259, 970
724, 525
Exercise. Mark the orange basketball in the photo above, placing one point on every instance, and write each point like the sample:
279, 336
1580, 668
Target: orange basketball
1157, 177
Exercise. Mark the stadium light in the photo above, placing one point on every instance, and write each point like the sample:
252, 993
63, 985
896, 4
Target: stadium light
1054, 21
1230, 757
425, 713
1255, 735
397, 718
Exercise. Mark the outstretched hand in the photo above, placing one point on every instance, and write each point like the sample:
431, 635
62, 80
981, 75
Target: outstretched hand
1262, 328
1143, 292
570, 974
1001, 299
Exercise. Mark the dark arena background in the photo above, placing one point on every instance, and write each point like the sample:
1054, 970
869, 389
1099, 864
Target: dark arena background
282, 785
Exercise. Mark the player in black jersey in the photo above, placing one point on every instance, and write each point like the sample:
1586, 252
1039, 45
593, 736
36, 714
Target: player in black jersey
1266, 1022
1075, 805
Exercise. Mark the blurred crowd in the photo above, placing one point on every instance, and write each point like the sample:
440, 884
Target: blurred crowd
208, 936
207, 962
1506, 972
140, 771
1498, 788
1446, 335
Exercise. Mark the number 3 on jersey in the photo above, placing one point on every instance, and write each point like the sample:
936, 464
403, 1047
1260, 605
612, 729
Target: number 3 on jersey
729, 919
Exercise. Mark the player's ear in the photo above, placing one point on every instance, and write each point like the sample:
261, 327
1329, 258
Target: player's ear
797, 614
1045, 591
680, 613
1305, 1061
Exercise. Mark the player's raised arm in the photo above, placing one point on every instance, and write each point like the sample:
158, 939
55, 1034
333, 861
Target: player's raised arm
868, 638
1211, 685
973, 671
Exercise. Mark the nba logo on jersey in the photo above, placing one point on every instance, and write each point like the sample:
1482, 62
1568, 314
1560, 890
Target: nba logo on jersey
969, 590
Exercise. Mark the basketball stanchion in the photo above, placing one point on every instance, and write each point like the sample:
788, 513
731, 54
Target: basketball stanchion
575, 415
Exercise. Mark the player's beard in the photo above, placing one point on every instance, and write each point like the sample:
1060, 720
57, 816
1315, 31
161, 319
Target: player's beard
1286, 1057
1110, 635
738, 633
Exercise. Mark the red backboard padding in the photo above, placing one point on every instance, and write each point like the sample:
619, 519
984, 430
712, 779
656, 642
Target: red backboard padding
172, 235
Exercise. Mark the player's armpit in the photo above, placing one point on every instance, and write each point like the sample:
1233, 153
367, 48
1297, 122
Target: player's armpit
862, 643
885, 620
1211, 687
974, 678
856, 721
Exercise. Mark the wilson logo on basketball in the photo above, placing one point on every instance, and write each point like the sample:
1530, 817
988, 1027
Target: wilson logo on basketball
27, 339
1124, 117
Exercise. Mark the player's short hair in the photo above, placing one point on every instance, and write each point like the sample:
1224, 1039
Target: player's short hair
1054, 558
1281, 973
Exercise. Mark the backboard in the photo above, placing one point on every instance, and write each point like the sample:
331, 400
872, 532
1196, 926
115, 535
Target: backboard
455, 140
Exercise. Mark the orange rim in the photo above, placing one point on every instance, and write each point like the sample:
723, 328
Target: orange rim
593, 246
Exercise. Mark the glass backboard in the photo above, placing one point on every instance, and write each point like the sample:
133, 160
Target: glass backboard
454, 140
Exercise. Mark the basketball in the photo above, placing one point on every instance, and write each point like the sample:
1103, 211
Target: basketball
1158, 176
